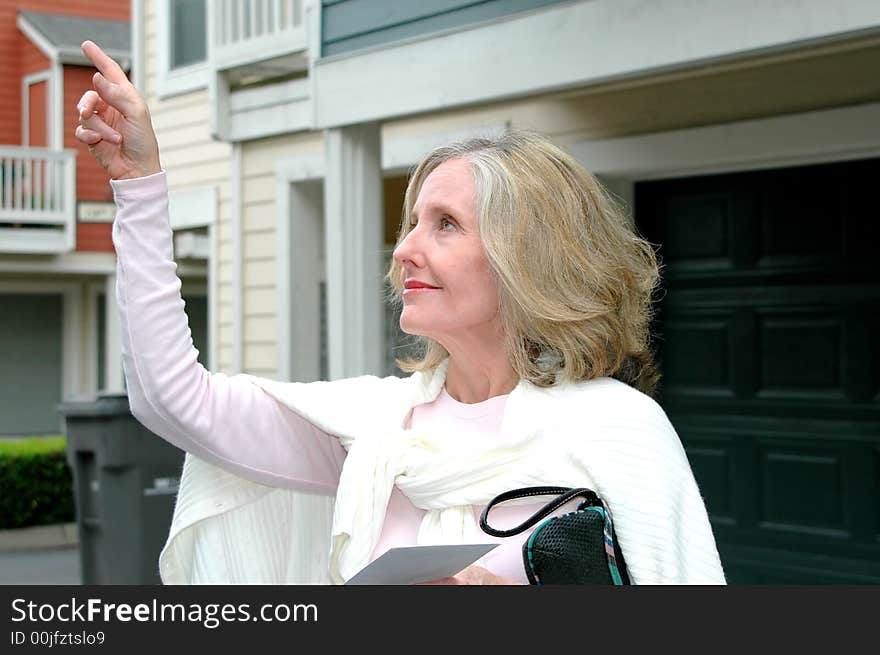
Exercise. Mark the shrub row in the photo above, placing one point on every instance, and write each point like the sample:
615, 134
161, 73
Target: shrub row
36, 485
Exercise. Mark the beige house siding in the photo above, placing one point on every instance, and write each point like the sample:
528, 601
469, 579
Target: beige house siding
770, 86
194, 160
259, 217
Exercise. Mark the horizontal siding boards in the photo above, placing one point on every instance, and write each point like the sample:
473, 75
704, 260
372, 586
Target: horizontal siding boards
349, 25
259, 273
260, 301
260, 157
94, 237
32, 59
38, 117
260, 357
260, 329
190, 149
259, 245
92, 183
181, 116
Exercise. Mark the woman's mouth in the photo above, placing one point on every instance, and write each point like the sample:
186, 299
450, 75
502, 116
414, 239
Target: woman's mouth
412, 286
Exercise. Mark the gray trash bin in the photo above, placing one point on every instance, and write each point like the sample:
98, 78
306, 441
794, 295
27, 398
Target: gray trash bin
125, 482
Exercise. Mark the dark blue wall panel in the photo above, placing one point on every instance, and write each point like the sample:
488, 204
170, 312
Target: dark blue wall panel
349, 25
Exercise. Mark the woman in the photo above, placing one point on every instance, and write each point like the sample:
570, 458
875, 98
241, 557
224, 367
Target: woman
531, 294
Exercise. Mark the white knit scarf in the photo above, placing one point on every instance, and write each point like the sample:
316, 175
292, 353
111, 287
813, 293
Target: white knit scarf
599, 434
445, 481
443, 477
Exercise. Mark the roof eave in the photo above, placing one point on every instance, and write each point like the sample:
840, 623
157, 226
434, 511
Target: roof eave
74, 57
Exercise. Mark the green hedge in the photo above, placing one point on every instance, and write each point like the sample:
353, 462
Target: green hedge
36, 485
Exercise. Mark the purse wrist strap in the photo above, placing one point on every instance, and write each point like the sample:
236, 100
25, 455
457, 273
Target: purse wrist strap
564, 494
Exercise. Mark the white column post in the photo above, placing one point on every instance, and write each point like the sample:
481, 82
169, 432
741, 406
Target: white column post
138, 27
353, 241
300, 235
112, 339
56, 130
237, 263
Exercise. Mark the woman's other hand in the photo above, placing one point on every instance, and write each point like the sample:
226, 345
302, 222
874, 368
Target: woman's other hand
114, 121
474, 575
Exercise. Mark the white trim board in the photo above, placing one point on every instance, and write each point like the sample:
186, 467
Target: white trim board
182, 80
265, 111
56, 129
213, 290
36, 37
137, 74
91, 263
399, 153
90, 347
237, 283
189, 208
572, 45
305, 169
790, 140
78, 263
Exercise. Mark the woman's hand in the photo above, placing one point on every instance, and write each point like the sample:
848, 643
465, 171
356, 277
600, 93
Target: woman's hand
474, 575
114, 121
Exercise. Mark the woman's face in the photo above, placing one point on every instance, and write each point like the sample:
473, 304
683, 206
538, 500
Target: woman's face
449, 291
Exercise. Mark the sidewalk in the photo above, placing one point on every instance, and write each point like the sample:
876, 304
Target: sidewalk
40, 566
40, 555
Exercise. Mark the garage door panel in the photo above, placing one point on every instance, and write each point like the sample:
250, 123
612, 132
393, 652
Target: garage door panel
871, 336
698, 227
698, 349
766, 331
709, 232
773, 476
805, 218
771, 343
801, 353
30, 363
802, 488
713, 463
875, 496
749, 565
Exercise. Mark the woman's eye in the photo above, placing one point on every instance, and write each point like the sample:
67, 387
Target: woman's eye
445, 223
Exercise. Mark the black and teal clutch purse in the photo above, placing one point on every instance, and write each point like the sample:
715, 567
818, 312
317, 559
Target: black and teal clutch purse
578, 547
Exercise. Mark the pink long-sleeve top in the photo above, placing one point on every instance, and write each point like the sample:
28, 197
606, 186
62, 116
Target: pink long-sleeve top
232, 423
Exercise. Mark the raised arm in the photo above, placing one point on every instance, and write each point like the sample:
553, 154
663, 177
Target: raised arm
225, 420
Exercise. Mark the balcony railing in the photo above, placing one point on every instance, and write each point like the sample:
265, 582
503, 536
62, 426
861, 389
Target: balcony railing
37, 200
251, 31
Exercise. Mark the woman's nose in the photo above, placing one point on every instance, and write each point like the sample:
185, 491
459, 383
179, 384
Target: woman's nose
408, 250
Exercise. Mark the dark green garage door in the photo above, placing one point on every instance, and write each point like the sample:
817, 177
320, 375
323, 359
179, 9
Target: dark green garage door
767, 334
30, 363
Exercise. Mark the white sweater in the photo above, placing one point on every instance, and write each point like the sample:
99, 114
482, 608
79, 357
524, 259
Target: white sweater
601, 434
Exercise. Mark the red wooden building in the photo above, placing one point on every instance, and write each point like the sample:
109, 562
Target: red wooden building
56, 256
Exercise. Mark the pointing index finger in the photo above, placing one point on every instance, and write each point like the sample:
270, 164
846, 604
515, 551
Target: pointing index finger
109, 68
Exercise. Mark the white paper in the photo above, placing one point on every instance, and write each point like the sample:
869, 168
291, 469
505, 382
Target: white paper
413, 564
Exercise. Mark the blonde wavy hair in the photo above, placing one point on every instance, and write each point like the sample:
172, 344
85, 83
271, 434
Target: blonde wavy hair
575, 282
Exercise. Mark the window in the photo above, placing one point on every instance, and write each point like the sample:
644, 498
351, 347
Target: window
188, 33
182, 45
